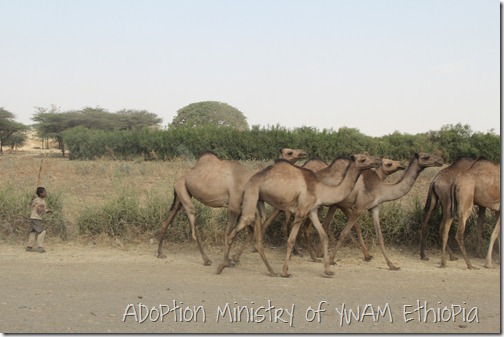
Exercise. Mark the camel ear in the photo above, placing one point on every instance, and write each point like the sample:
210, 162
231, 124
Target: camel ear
352, 158
417, 155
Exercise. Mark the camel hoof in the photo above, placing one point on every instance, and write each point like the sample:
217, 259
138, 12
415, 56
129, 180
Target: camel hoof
489, 266
236, 258
286, 275
454, 258
368, 258
392, 267
297, 253
333, 263
424, 258
328, 273
207, 263
220, 268
161, 256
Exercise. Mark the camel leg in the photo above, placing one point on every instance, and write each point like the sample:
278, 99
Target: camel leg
206, 260
446, 217
228, 242
425, 222
250, 235
290, 244
315, 250
445, 227
258, 235
190, 210
367, 256
460, 235
176, 206
481, 220
313, 215
495, 235
352, 219
375, 214
307, 233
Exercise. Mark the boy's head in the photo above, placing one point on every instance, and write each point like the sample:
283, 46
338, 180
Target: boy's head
41, 191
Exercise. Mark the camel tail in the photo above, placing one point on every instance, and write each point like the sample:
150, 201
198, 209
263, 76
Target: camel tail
174, 200
428, 202
453, 201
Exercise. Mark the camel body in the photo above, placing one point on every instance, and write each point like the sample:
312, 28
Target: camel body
440, 192
479, 185
295, 190
215, 183
371, 191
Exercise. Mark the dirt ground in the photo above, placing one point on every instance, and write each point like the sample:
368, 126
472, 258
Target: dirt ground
75, 288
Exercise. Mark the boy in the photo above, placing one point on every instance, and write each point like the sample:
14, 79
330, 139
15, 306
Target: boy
38, 232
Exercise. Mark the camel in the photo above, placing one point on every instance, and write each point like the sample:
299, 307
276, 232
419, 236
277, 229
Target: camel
440, 191
215, 183
387, 168
296, 190
370, 192
315, 164
478, 185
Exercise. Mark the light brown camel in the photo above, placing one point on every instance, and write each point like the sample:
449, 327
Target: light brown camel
387, 168
371, 193
315, 164
215, 183
440, 192
332, 176
478, 185
296, 190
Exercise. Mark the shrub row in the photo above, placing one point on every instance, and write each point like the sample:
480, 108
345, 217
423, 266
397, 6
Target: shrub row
263, 143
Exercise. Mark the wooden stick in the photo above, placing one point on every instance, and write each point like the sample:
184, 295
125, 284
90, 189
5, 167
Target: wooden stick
39, 176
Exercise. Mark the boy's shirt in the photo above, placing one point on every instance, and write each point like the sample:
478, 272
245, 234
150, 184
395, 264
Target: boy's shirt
38, 206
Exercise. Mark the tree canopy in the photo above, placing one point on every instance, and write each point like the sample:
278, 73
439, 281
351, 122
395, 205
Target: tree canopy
11, 132
51, 122
210, 113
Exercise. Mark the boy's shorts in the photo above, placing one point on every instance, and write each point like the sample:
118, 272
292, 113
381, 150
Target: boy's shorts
37, 225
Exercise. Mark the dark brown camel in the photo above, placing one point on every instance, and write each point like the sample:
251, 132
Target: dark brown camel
440, 192
478, 185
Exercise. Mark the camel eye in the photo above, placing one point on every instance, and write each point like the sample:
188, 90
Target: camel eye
388, 164
289, 153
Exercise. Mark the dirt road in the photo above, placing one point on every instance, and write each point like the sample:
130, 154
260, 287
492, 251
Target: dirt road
89, 289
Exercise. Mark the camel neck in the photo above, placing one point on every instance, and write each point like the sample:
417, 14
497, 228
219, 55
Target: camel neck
403, 186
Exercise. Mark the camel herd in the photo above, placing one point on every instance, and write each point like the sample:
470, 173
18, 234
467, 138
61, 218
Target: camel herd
354, 185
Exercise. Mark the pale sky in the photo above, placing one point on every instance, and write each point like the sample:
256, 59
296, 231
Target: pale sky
375, 65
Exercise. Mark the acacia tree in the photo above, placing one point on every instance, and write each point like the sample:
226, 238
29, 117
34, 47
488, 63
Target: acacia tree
9, 128
210, 113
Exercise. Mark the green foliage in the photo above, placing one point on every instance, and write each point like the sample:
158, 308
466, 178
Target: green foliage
210, 113
11, 132
52, 124
262, 143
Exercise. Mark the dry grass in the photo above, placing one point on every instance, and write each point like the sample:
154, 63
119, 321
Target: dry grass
87, 184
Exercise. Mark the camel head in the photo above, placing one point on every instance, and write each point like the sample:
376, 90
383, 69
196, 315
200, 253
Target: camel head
428, 160
364, 161
390, 166
293, 155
